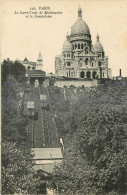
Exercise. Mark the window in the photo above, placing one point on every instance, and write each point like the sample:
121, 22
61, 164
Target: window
99, 55
86, 50
82, 74
94, 74
88, 75
92, 63
99, 63
82, 46
86, 61
68, 63
68, 55
78, 46
80, 63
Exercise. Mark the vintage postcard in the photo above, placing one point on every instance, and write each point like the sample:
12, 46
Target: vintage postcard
63, 97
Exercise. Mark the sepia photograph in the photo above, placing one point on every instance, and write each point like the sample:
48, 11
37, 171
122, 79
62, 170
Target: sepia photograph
63, 97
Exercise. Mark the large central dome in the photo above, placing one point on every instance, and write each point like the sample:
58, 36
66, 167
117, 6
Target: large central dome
80, 27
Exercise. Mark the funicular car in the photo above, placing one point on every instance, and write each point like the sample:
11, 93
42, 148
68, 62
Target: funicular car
30, 109
43, 100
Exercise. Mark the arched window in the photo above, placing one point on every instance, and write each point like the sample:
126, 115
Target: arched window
88, 74
86, 61
82, 74
92, 63
82, 46
28, 67
99, 63
68, 63
78, 46
33, 68
75, 46
94, 74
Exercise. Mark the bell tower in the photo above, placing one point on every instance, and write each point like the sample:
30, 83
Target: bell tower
39, 64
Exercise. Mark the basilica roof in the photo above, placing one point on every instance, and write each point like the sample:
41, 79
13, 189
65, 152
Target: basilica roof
80, 27
98, 46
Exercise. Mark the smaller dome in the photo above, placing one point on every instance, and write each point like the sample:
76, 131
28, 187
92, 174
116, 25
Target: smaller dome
67, 46
98, 46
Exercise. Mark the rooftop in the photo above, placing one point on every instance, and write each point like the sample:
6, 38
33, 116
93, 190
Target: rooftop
47, 153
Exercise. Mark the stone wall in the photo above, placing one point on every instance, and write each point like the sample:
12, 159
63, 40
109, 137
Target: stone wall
76, 83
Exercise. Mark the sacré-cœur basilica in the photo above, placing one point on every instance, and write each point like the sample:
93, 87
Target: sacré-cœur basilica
79, 58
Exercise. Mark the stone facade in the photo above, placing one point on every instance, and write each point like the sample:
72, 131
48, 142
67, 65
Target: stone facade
79, 58
76, 83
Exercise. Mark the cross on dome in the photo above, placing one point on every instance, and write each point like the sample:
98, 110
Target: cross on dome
79, 12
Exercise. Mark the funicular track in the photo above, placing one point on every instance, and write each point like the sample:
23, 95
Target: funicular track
45, 123
30, 135
45, 128
42, 131
39, 140
26, 98
52, 130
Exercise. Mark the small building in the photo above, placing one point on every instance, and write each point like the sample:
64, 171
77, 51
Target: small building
45, 159
36, 75
29, 65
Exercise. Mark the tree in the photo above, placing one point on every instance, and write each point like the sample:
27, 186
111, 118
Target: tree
94, 160
12, 122
17, 173
17, 169
15, 69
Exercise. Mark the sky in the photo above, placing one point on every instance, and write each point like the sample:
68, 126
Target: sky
22, 36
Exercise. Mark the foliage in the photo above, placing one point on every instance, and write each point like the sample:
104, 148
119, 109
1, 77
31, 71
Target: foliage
15, 69
17, 173
12, 122
95, 159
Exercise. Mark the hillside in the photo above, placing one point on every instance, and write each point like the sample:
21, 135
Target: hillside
92, 123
